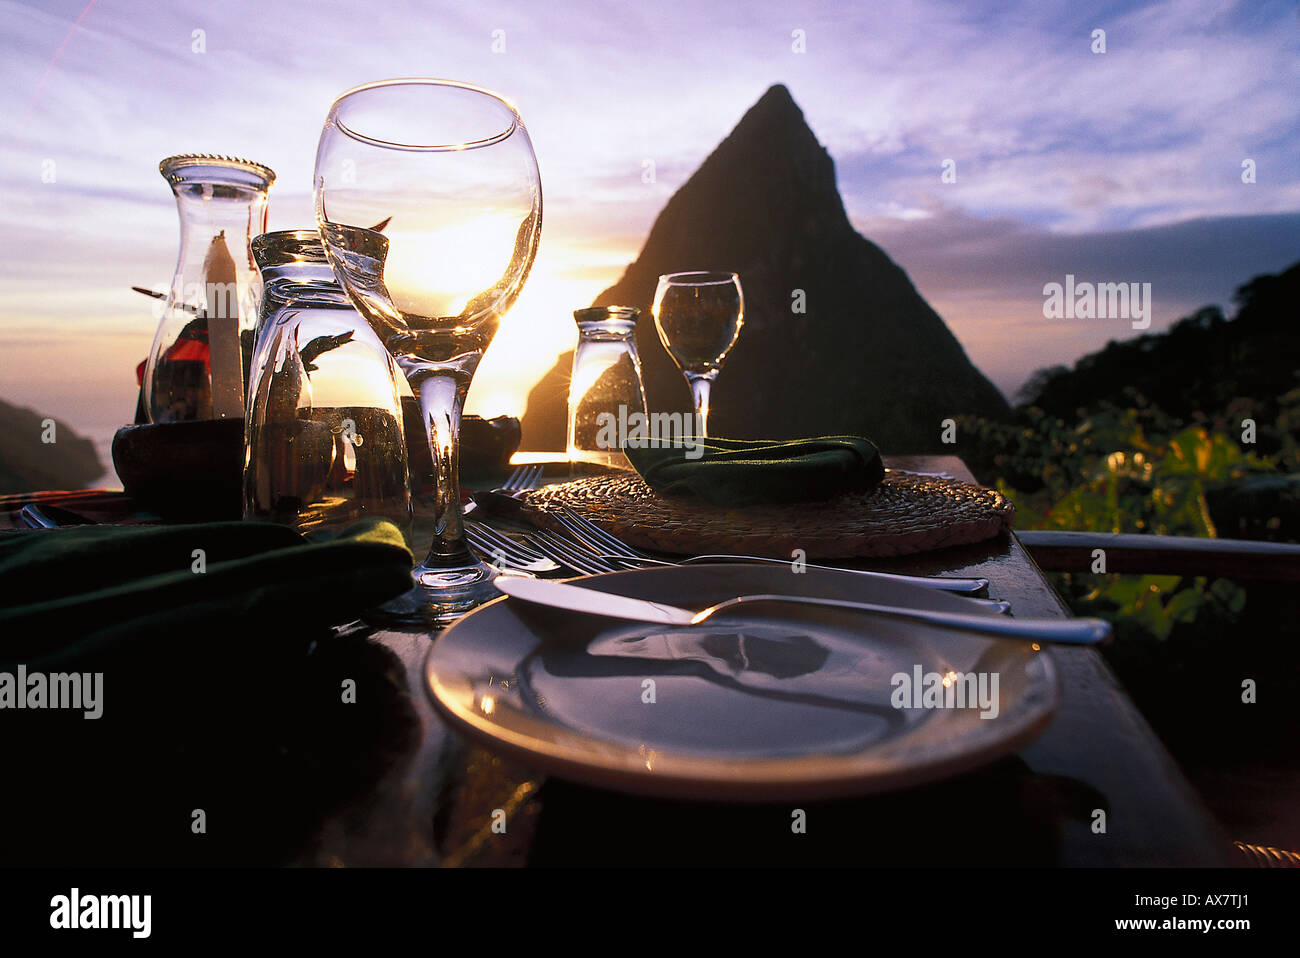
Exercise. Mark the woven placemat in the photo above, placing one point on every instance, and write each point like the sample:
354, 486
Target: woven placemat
903, 515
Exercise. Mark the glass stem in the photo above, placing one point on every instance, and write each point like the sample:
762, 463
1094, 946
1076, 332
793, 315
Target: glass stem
700, 386
442, 396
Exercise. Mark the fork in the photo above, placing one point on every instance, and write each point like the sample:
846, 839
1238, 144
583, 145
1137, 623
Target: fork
32, 517
516, 552
610, 547
534, 551
537, 551
544, 550
503, 550
521, 480
577, 556
567, 552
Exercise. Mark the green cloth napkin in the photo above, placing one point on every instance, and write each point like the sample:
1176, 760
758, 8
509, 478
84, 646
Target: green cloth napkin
78, 594
743, 472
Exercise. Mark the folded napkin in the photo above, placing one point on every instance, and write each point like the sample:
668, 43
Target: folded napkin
743, 472
75, 594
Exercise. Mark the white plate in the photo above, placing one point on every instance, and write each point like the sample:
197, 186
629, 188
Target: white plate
793, 703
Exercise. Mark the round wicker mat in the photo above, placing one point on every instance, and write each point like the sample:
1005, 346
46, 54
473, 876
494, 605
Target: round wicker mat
905, 514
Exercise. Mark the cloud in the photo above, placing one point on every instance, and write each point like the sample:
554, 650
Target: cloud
1195, 261
1049, 139
986, 276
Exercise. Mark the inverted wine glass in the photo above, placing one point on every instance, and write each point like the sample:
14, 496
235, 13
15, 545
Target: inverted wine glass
430, 208
699, 315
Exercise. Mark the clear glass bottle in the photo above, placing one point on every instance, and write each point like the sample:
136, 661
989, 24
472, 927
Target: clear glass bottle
323, 439
606, 393
205, 335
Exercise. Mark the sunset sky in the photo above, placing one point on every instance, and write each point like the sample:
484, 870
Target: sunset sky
1123, 166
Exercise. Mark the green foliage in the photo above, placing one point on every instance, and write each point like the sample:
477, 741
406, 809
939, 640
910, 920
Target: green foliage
1193, 432
1133, 470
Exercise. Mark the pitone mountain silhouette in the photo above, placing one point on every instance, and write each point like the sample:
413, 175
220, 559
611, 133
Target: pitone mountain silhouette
867, 355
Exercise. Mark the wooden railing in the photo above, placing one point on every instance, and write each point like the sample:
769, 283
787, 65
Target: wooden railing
1164, 555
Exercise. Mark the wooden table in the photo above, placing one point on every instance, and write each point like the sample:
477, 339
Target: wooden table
1044, 806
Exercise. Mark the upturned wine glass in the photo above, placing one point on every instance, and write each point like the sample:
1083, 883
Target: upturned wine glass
699, 315
429, 203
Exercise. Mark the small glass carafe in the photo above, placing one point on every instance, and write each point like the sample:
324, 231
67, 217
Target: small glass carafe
606, 393
323, 439
205, 335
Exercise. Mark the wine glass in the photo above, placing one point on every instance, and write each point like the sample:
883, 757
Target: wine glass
446, 170
699, 316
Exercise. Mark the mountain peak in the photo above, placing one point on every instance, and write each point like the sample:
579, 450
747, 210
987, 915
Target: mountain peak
836, 339
777, 97
776, 134
769, 177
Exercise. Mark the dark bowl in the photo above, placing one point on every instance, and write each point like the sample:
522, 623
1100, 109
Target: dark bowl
183, 470
486, 445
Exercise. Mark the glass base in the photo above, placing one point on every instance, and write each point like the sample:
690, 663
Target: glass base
441, 595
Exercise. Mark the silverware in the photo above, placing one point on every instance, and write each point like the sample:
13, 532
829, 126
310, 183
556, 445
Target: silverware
594, 602
503, 499
500, 549
1000, 606
50, 516
536, 551
521, 480
573, 555
610, 547
32, 517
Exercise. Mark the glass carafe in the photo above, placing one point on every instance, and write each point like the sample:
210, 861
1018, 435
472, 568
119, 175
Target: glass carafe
606, 393
204, 340
323, 439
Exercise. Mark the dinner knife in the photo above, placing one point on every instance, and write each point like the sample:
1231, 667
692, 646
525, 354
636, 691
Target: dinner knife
594, 602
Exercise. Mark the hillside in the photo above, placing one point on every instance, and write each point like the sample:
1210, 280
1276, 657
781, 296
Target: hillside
27, 463
1203, 365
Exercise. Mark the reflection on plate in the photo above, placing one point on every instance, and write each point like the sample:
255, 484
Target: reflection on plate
795, 703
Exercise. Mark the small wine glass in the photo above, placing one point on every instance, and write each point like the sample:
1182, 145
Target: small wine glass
699, 315
448, 171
